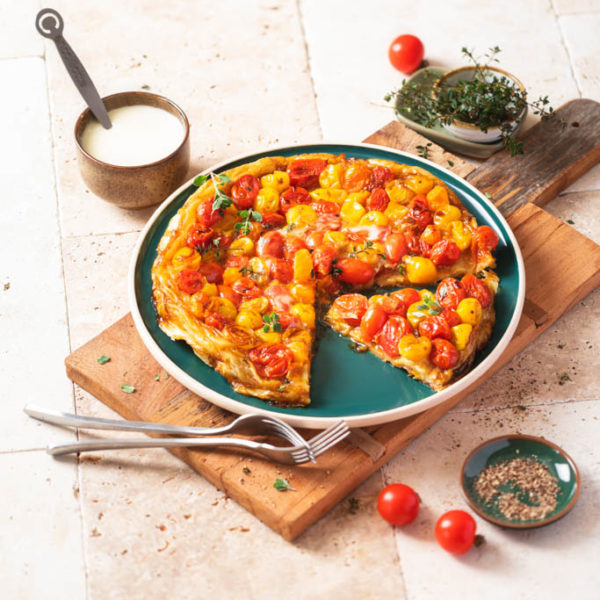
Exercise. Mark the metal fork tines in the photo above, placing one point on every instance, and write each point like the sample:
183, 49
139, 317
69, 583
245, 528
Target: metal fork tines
328, 438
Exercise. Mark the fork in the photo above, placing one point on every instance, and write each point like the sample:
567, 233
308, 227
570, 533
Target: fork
251, 424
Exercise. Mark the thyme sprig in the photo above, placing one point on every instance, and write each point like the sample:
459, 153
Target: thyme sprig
244, 226
272, 323
221, 200
431, 306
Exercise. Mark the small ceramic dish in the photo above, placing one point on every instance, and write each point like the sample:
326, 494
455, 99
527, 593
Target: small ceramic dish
468, 131
141, 185
507, 448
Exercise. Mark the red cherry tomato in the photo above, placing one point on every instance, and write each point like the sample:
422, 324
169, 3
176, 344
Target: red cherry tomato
237, 261
305, 171
199, 237
420, 212
270, 244
398, 504
455, 531
244, 191
451, 317
486, 238
356, 177
407, 296
355, 271
372, 322
435, 327
323, 258
272, 361
450, 292
475, 288
292, 196
190, 281
314, 239
378, 200
212, 271
286, 321
206, 216
395, 328
424, 248
216, 320
413, 243
292, 245
351, 308
271, 220
392, 305
445, 252
406, 53
226, 291
280, 297
325, 207
280, 270
246, 288
443, 354
379, 177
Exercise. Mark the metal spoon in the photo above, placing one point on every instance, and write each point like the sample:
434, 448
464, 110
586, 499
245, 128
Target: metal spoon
50, 24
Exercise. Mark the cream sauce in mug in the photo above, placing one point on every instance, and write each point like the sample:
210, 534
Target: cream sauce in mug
140, 134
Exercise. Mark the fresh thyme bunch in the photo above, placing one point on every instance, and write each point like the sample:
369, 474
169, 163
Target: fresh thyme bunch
485, 100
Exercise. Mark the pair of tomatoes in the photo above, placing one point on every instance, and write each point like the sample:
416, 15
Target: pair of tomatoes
455, 530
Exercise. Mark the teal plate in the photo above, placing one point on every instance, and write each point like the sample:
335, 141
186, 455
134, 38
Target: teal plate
506, 448
359, 388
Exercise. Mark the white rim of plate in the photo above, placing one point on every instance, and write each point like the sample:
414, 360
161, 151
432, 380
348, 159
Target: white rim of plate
311, 422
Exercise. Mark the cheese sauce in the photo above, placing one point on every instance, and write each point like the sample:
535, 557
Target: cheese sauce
139, 135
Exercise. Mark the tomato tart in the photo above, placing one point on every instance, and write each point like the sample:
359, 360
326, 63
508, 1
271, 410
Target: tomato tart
257, 252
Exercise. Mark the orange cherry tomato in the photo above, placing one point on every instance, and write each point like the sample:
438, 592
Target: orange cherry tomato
216, 320
325, 207
450, 292
445, 252
271, 220
395, 328
292, 245
407, 296
244, 191
305, 172
380, 175
270, 243
372, 322
443, 354
190, 281
323, 258
226, 291
292, 196
206, 216
351, 308
355, 271
451, 317
272, 361
435, 327
212, 271
356, 177
199, 237
246, 288
378, 200
236, 261
406, 53
475, 288
420, 212
392, 305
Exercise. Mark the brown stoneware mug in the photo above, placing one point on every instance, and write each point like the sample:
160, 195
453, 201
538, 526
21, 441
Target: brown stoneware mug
141, 185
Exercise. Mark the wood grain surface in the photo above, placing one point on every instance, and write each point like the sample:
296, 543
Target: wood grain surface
249, 480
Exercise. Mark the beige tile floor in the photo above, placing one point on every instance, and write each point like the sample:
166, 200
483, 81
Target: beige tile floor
254, 74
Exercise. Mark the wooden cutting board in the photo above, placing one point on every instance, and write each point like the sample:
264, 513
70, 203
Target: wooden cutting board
562, 267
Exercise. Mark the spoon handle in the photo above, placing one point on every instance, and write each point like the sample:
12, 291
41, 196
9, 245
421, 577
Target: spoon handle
50, 24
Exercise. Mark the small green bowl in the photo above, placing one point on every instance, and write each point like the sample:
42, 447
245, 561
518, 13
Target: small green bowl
509, 447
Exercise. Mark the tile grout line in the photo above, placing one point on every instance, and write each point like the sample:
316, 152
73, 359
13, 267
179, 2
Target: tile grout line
67, 320
308, 65
563, 41
540, 405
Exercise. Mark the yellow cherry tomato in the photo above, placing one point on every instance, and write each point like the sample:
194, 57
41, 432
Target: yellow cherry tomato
278, 180
267, 200
461, 334
303, 266
437, 198
331, 176
301, 215
460, 234
231, 275
270, 337
419, 184
226, 308
420, 270
249, 318
444, 216
352, 212
374, 217
303, 293
241, 246
414, 348
306, 313
470, 311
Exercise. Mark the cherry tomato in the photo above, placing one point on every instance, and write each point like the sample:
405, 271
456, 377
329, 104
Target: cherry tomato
420, 212
236, 261
355, 271
247, 288
443, 354
435, 327
292, 245
244, 191
395, 328
451, 317
406, 53
380, 175
455, 531
445, 252
392, 305
314, 239
486, 238
216, 320
424, 248
398, 504
372, 322
280, 297
450, 292
226, 291
272, 361
223, 241
190, 281
323, 258
305, 171
199, 237
407, 296
378, 200
270, 244
271, 220
286, 321
212, 271
325, 207
328, 223
475, 288
206, 216
413, 242
292, 196
351, 308
356, 177
281, 270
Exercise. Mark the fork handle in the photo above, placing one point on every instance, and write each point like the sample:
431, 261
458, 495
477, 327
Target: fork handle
70, 420
117, 444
